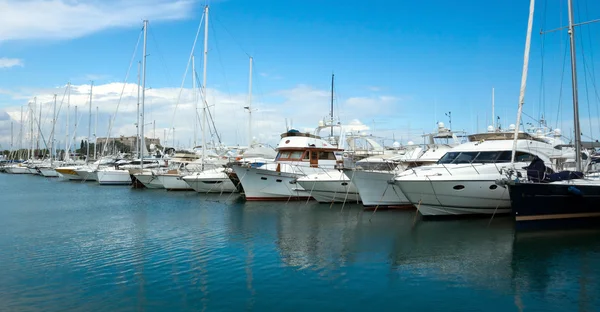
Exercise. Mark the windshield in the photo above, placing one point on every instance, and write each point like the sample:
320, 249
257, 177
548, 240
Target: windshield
483, 157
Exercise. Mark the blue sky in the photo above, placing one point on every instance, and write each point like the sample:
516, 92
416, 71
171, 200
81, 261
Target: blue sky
399, 65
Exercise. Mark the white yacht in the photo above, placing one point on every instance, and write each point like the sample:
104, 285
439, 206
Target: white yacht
374, 176
463, 181
299, 154
331, 184
217, 180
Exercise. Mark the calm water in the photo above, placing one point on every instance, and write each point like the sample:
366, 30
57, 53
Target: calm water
69, 246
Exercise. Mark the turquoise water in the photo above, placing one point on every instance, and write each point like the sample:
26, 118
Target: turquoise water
71, 246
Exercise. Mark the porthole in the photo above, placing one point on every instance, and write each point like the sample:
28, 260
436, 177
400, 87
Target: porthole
278, 180
263, 178
458, 187
493, 187
344, 183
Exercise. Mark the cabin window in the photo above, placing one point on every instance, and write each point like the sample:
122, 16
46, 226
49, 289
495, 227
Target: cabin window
504, 157
314, 155
296, 155
283, 155
523, 157
326, 156
381, 166
487, 157
448, 158
465, 158
306, 155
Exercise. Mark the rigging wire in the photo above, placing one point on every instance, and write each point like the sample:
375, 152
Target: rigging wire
161, 57
122, 91
542, 98
585, 75
184, 77
561, 85
592, 71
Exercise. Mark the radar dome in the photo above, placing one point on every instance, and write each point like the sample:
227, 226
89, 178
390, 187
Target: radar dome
321, 123
410, 143
557, 132
512, 127
490, 128
440, 124
152, 146
396, 145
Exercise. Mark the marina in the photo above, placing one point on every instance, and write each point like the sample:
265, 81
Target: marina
369, 190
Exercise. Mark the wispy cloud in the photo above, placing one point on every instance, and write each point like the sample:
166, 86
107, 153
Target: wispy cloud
66, 19
6, 62
303, 104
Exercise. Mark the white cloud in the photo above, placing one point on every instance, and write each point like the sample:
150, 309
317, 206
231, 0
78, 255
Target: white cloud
65, 19
6, 62
303, 106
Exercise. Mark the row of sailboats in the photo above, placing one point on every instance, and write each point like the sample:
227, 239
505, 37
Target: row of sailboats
450, 174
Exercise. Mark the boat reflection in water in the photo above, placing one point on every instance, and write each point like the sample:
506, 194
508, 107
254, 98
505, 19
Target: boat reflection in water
392, 262
558, 268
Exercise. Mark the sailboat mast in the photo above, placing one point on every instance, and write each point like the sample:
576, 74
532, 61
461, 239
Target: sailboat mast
204, 85
143, 140
574, 88
21, 132
195, 99
95, 131
137, 125
31, 121
11, 137
39, 137
75, 129
67, 122
250, 105
493, 112
53, 129
332, 78
87, 157
523, 80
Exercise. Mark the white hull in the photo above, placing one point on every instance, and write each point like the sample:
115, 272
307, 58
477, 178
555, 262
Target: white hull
456, 197
173, 182
33, 171
375, 188
18, 170
211, 181
261, 184
149, 180
48, 172
113, 177
87, 174
68, 173
331, 186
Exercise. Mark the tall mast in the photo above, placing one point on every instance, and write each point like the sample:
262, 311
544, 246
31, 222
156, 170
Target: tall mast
195, 99
95, 131
137, 125
332, 77
493, 113
21, 131
67, 123
143, 138
31, 121
87, 157
204, 85
250, 104
53, 129
575, 96
75, 128
523, 79
39, 136
11, 137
